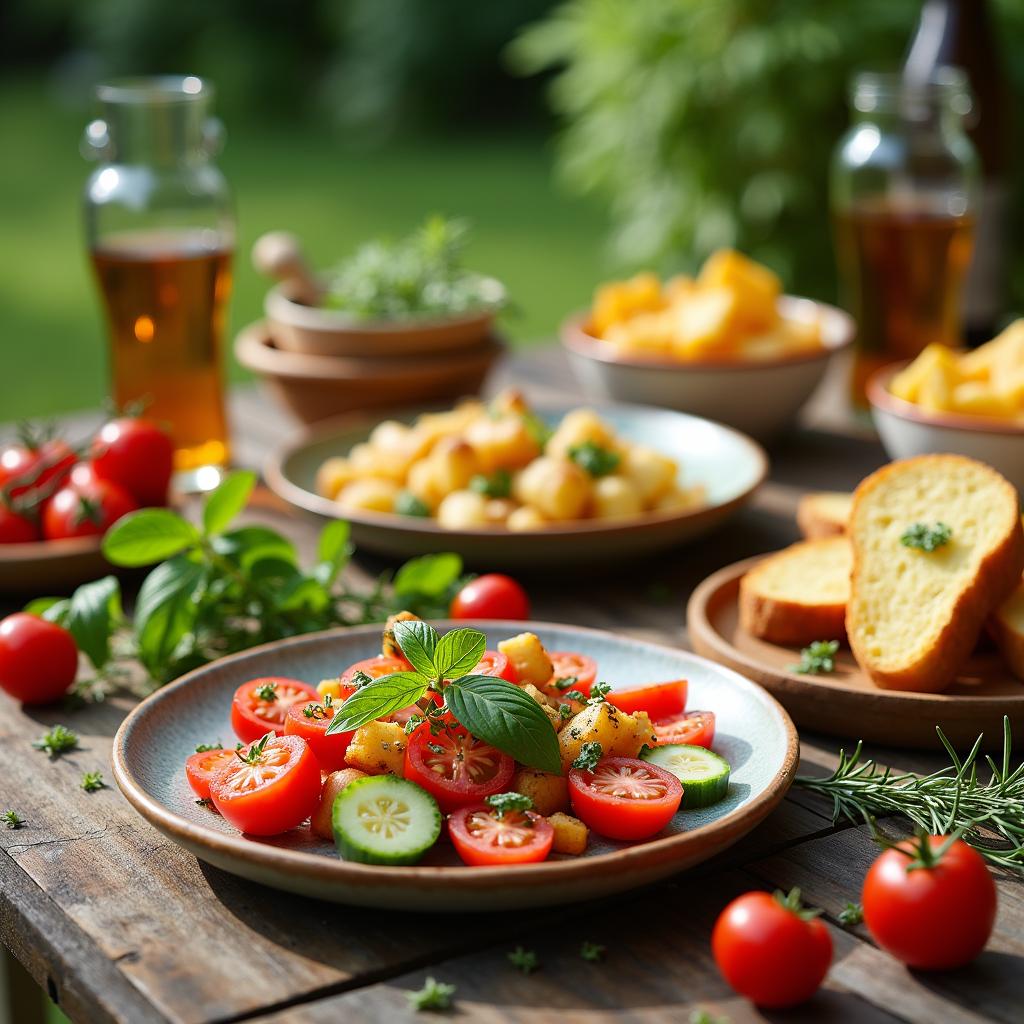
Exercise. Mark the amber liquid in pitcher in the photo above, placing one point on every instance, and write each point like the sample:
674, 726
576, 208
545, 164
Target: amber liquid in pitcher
902, 266
166, 297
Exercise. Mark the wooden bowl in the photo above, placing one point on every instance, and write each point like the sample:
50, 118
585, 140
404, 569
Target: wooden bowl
757, 396
55, 567
310, 330
315, 388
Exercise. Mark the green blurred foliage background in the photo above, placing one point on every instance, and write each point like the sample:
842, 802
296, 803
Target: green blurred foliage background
683, 124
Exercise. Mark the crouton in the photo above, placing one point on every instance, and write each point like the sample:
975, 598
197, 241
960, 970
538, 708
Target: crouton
570, 834
548, 792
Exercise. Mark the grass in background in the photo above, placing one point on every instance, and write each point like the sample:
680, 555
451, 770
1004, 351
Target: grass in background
546, 248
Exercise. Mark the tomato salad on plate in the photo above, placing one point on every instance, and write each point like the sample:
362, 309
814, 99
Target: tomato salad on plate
512, 754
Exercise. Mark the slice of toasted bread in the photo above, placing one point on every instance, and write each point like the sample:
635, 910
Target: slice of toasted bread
1007, 628
914, 615
824, 513
799, 594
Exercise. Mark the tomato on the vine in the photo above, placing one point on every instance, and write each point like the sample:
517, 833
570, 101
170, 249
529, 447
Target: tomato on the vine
770, 949
35, 466
16, 528
455, 767
492, 596
482, 835
137, 455
38, 659
624, 798
930, 902
268, 787
86, 509
260, 705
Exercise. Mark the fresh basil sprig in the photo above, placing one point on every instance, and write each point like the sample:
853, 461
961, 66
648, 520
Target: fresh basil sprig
217, 588
492, 709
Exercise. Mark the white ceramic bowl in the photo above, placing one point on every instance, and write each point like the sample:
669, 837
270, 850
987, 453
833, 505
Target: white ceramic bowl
758, 398
907, 430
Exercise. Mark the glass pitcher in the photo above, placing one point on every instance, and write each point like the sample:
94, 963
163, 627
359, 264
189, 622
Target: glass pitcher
904, 192
160, 231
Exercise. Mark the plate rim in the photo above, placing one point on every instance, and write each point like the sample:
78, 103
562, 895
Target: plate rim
703, 631
299, 497
319, 868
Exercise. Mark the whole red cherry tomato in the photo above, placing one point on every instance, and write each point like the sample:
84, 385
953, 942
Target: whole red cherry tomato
136, 454
38, 659
491, 597
930, 902
770, 950
35, 466
15, 528
85, 508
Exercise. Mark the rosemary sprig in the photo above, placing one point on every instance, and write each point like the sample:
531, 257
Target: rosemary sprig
990, 815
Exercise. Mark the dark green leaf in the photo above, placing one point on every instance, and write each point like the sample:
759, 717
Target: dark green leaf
165, 611
302, 592
500, 713
271, 566
418, 641
246, 542
91, 617
429, 574
227, 501
378, 699
147, 536
333, 551
459, 651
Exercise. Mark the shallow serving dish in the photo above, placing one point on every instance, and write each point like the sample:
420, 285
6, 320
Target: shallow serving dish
727, 463
753, 733
847, 703
759, 397
50, 566
907, 430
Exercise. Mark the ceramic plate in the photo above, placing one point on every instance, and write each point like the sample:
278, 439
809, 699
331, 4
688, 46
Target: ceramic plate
753, 733
729, 465
847, 703
52, 566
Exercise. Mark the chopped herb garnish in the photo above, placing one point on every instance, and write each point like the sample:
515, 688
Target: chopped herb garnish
59, 740
592, 952
435, 747
267, 692
435, 995
497, 485
539, 431
589, 755
415, 721
703, 1017
204, 748
204, 801
851, 914
524, 960
564, 682
255, 752
360, 679
565, 710
92, 781
502, 803
594, 459
598, 692
575, 695
12, 819
818, 659
318, 711
407, 504
926, 538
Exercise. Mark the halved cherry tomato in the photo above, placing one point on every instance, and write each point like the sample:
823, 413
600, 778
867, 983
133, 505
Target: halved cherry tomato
312, 727
694, 727
570, 664
623, 798
455, 767
376, 667
260, 705
494, 663
265, 792
659, 700
481, 837
201, 767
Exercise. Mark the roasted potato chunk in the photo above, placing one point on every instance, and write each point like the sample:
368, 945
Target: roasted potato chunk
619, 734
549, 793
570, 834
528, 658
377, 748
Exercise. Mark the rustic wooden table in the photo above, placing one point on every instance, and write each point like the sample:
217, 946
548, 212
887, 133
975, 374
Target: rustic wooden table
117, 923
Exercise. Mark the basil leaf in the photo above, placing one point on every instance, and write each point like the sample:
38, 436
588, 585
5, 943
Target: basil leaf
301, 592
418, 640
53, 609
242, 544
165, 611
333, 551
147, 536
378, 699
500, 713
227, 501
429, 574
92, 613
459, 651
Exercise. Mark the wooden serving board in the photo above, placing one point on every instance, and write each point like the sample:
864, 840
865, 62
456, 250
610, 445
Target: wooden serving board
847, 703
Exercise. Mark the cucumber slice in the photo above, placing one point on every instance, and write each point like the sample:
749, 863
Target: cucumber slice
383, 819
704, 775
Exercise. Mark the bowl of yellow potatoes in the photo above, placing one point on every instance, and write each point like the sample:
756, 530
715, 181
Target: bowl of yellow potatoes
726, 344
968, 403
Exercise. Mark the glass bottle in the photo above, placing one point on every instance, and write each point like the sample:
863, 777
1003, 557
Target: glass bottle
160, 230
904, 194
